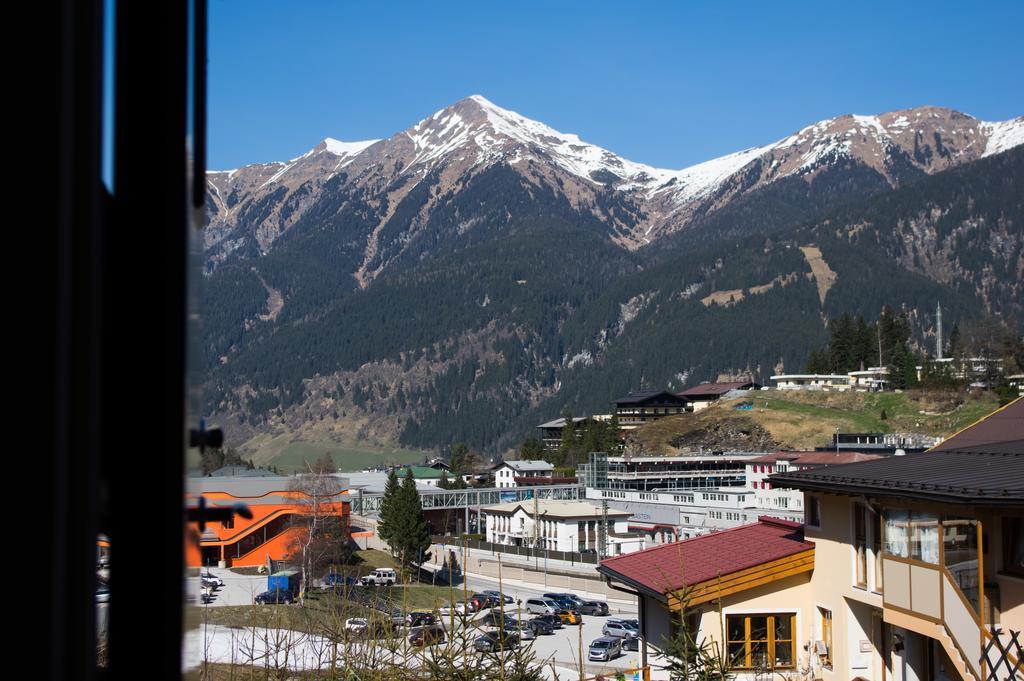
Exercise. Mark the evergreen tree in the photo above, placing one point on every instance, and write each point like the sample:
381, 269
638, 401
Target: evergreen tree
444, 483
612, 436
387, 525
410, 538
532, 449
817, 362
457, 461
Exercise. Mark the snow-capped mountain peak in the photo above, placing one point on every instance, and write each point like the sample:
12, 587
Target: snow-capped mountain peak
639, 202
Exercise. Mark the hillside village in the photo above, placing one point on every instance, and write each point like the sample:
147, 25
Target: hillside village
715, 535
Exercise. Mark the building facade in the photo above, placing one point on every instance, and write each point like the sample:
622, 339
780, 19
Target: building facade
571, 526
908, 568
517, 473
703, 395
636, 409
277, 505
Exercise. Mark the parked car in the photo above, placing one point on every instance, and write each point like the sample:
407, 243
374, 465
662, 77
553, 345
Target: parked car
541, 606
599, 608
572, 600
419, 618
457, 608
493, 642
482, 601
336, 581
427, 636
357, 625
553, 621
570, 616
605, 649
523, 629
496, 620
380, 577
541, 626
633, 622
276, 596
619, 629
499, 597
631, 643
212, 578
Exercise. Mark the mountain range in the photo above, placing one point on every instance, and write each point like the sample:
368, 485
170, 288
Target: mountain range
473, 275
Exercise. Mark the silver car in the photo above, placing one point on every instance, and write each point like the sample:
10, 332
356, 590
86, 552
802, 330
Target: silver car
605, 648
542, 606
619, 629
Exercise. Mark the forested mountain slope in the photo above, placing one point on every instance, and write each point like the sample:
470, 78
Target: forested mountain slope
511, 301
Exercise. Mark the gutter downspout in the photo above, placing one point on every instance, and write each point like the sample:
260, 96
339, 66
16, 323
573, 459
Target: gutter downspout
643, 623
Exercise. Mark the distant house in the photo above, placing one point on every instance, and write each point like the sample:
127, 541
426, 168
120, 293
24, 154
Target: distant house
560, 526
513, 473
636, 409
551, 432
700, 396
871, 379
439, 464
823, 382
423, 474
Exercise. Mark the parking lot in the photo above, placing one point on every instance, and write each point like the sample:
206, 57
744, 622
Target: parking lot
563, 647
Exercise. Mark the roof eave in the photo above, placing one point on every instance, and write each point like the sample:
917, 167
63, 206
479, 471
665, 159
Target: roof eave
641, 588
853, 489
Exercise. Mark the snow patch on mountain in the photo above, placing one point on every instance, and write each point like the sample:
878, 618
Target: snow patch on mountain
1003, 135
339, 148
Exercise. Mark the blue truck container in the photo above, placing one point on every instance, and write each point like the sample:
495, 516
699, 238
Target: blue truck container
285, 580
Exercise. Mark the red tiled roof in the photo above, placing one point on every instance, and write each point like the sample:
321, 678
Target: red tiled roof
713, 388
674, 566
815, 458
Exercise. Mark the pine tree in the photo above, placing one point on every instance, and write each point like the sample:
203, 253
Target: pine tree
386, 526
410, 538
532, 449
457, 460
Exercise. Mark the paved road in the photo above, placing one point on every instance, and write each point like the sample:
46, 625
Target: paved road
238, 589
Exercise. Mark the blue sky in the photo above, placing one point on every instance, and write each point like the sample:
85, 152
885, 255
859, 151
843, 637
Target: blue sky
669, 84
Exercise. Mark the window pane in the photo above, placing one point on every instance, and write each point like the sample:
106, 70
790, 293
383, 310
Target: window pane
736, 632
1013, 546
924, 537
784, 654
897, 523
758, 628
960, 554
738, 654
783, 627
758, 655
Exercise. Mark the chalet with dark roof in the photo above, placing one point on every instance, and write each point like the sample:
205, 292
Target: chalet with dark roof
701, 396
636, 409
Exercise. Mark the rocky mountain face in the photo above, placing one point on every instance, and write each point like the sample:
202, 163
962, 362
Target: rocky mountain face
405, 179
473, 275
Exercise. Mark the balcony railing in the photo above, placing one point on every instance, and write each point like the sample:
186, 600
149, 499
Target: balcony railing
932, 593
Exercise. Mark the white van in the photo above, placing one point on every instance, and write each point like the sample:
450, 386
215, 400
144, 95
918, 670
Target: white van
380, 577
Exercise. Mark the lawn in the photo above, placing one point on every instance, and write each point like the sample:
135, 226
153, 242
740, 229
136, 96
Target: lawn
804, 420
289, 454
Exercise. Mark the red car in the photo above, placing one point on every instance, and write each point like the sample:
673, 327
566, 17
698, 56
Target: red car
427, 636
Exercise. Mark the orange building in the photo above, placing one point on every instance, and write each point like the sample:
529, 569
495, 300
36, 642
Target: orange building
275, 527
